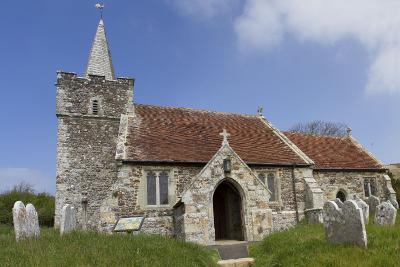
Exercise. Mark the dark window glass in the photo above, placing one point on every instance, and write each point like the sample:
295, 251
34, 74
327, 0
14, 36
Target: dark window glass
151, 188
373, 187
163, 178
271, 186
341, 195
261, 176
367, 187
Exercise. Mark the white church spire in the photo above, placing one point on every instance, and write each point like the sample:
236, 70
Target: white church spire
100, 62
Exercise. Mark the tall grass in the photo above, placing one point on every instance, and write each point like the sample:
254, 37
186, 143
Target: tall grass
96, 249
306, 245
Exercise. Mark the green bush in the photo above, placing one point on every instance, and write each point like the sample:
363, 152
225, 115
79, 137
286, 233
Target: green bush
43, 202
395, 185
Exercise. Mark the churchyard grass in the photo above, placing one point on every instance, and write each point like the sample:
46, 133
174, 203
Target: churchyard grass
306, 245
95, 249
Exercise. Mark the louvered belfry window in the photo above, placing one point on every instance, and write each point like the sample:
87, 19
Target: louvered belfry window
95, 107
157, 188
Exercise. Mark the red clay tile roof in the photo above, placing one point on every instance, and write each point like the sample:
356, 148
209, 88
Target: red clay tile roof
330, 152
185, 135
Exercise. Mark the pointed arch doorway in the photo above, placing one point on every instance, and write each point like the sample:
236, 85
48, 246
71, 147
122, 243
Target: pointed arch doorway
228, 218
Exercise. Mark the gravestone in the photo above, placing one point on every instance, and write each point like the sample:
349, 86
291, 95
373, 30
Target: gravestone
339, 203
385, 214
394, 203
26, 223
344, 225
364, 207
19, 219
68, 219
32, 220
373, 202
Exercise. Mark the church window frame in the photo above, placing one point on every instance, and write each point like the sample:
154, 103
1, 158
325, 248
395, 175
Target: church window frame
369, 186
164, 188
266, 177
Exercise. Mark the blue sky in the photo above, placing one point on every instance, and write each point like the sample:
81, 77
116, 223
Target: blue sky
225, 55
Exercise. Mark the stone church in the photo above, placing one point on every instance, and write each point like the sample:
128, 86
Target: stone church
194, 174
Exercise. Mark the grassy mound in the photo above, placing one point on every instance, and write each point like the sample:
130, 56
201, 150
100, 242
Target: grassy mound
306, 245
95, 249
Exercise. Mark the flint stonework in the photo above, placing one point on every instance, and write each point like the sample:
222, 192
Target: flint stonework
385, 214
373, 202
345, 225
68, 219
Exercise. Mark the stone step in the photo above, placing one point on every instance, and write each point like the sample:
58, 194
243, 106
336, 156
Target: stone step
243, 262
232, 249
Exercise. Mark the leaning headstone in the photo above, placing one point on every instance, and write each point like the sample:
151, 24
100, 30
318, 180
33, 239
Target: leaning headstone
68, 219
344, 225
394, 203
19, 220
339, 203
373, 202
385, 214
364, 207
32, 220
26, 223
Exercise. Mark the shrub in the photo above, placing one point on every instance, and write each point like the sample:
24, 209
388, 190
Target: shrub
395, 185
43, 202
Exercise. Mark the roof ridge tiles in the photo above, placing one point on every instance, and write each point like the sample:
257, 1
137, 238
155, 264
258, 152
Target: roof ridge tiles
199, 110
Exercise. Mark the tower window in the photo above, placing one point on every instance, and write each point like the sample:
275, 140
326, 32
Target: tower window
95, 107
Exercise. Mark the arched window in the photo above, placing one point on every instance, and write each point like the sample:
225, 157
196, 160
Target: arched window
95, 107
261, 176
341, 195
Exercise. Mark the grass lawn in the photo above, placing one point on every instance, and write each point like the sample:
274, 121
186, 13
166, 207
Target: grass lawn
95, 249
306, 245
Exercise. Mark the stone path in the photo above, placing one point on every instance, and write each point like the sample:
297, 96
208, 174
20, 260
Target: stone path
232, 249
233, 253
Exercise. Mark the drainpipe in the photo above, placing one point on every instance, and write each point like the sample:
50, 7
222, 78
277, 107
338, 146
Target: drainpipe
295, 194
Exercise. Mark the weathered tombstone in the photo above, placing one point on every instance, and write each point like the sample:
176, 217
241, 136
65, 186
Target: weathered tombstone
26, 223
345, 225
385, 214
339, 203
394, 203
364, 207
19, 219
32, 220
373, 202
68, 219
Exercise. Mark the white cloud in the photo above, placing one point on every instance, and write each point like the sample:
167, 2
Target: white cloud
373, 23
13, 176
262, 25
202, 8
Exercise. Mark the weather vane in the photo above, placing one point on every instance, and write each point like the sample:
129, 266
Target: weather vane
101, 7
260, 110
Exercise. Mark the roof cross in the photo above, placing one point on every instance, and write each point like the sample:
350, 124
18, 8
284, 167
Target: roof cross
225, 135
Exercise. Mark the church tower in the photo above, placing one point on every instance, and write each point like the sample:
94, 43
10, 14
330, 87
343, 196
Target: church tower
89, 110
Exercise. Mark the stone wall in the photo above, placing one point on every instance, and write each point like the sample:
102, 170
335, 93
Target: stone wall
351, 182
198, 199
86, 166
125, 197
